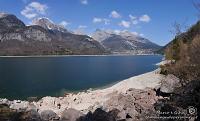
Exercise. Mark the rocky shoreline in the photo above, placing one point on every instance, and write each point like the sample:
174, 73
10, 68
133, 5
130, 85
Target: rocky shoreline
130, 99
91, 100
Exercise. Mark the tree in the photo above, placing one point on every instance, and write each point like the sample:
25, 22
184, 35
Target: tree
196, 4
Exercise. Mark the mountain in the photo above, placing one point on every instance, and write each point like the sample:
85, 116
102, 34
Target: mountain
45, 37
124, 42
46, 23
42, 38
101, 35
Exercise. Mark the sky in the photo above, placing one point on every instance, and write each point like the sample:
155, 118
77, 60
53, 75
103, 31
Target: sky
152, 19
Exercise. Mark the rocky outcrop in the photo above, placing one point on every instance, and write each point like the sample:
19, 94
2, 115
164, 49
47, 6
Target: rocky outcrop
37, 34
9, 22
47, 24
169, 84
135, 104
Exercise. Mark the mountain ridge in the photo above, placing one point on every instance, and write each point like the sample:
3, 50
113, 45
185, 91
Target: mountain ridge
44, 37
125, 42
18, 39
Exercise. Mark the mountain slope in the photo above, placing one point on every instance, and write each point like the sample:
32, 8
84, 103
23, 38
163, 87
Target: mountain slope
18, 39
125, 42
48, 24
185, 51
172, 49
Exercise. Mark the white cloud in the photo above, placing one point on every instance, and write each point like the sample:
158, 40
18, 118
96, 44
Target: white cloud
123, 32
125, 24
64, 23
135, 33
106, 21
116, 31
115, 14
84, 2
97, 20
142, 35
144, 18
101, 20
34, 9
82, 26
133, 19
80, 30
134, 22
40, 8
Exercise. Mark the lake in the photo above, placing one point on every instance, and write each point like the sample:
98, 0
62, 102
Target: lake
22, 77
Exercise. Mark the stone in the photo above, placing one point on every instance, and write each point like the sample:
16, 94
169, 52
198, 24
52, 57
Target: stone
47, 115
98, 115
7, 114
70, 115
133, 105
4, 101
169, 84
30, 115
19, 105
121, 115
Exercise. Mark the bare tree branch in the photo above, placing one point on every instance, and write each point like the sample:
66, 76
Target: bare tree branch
196, 4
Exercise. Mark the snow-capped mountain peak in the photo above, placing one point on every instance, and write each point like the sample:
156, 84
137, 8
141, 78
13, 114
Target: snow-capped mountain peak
124, 41
48, 24
101, 35
2, 14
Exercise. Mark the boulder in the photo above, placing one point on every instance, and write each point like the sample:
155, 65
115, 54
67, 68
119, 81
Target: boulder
4, 101
169, 84
135, 104
70, 115
99, 115
49, 115
30, 115
7, 114
19, 105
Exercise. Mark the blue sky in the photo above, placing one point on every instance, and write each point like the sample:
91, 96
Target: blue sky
152, 19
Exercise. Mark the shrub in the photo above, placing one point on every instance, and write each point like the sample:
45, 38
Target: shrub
187, 66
